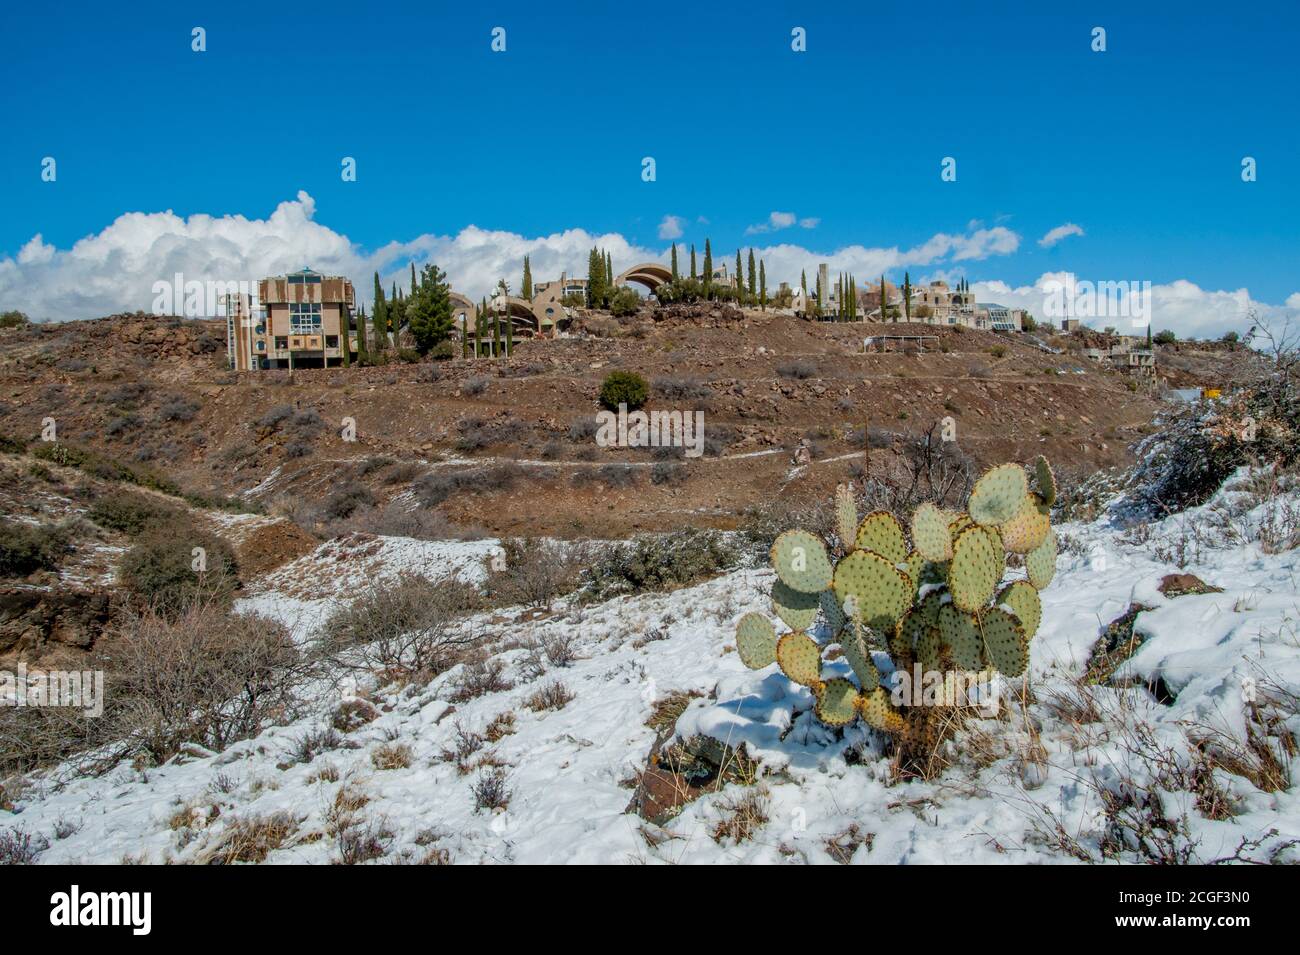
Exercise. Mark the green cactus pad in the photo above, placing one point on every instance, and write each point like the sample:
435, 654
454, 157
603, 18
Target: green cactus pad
1022, 599
1004, 641
756, 641
998, 494
928, 648
856, 651
916, 623
961, 636
797, 609
879, 712
800, 658
977, 566
881, 591
837, 702
958, 524
800, 559
930, 533
1041, 561
881, 534
846, 516
832, 611
1027, 529
1045, 480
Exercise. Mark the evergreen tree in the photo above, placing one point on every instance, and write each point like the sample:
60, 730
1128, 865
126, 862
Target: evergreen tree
429, 310
362, 354
480, 314
694, 274
753, 278
907, 297
464, 336
674, 270
884, 301
496, 333
740, 280
609, 276
379, 318
821, 292
414, 281
526, 289
708, 269
803, 281
762, 286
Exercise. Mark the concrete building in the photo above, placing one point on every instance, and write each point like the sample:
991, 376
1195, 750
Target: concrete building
246, 339
308, 319
999, 318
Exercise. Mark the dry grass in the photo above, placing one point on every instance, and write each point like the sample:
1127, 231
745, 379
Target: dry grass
391, 756
553, 696
666, 710
501, 726
742, 817
252, 838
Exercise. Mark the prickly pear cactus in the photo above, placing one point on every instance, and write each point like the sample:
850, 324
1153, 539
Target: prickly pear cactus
934, 592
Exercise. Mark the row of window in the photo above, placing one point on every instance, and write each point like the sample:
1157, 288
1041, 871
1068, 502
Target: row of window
282, 342
304, 318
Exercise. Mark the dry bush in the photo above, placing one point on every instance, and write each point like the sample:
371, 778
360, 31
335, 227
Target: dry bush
536, 571
465, 744
20, 847
158, 569
252, 838
314, 742
743, 816
206, 676
501, 726
391, 756
491, 789
477, 678
552, 696
407, 627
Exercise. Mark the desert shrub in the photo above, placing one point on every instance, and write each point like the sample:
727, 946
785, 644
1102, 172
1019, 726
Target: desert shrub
478, 678
129, 394
681, 388
342, 501
667, 473
798, 369
410, 625
998, 351
534, 571
25, 548
204, 676
473, 387
391, 756
297, 449
623, 388
306, 423
583, 429
658, 562
130, 512
491, 790
18, 846
550, 696
435, 487
13, 319
396, 520
252, 838
275, 416
121, 425
159, 568
178, 409
612, 476
624, 302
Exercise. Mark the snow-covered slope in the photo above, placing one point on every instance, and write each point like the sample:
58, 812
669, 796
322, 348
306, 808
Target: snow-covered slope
1050, 779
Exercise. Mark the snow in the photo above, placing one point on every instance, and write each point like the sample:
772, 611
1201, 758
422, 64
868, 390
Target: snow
1013, 777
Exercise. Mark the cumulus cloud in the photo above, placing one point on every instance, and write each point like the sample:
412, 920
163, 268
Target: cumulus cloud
1054, 236
670, 227
1182, 306
115, 269
776, 221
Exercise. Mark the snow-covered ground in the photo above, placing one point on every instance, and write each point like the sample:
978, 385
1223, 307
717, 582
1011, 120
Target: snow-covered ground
1026, 786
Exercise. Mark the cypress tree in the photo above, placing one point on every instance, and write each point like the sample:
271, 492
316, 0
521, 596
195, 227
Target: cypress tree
694, 275
884, 301
526, 289
361, 335
753, 279
415, 282
907, 296
496, 334
609, 272
479, 314
379, 318
674, 263
708, 268
740, 280
762, 286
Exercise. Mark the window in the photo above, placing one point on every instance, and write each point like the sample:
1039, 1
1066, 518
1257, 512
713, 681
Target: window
331, 341
261, 346
304, 318
281, 342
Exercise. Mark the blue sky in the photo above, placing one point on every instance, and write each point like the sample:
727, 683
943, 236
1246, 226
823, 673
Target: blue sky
1140, 146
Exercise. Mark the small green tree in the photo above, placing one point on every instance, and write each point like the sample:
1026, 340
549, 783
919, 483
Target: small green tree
708, 269
379, 318
429, 310
674, 268
526, 288
623, 387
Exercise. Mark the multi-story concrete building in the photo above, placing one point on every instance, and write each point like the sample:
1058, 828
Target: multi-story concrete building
307, 319
245, 332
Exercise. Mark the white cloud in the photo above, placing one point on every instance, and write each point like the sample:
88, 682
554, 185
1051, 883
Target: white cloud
809, 223
1054, 236
670, 227
1182, 306
114, 270
777, 221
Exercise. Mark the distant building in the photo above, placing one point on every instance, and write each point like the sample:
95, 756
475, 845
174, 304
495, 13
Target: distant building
999, 318
302, 319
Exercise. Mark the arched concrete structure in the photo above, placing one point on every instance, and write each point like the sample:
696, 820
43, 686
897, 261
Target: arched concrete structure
650, 274
533, 319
